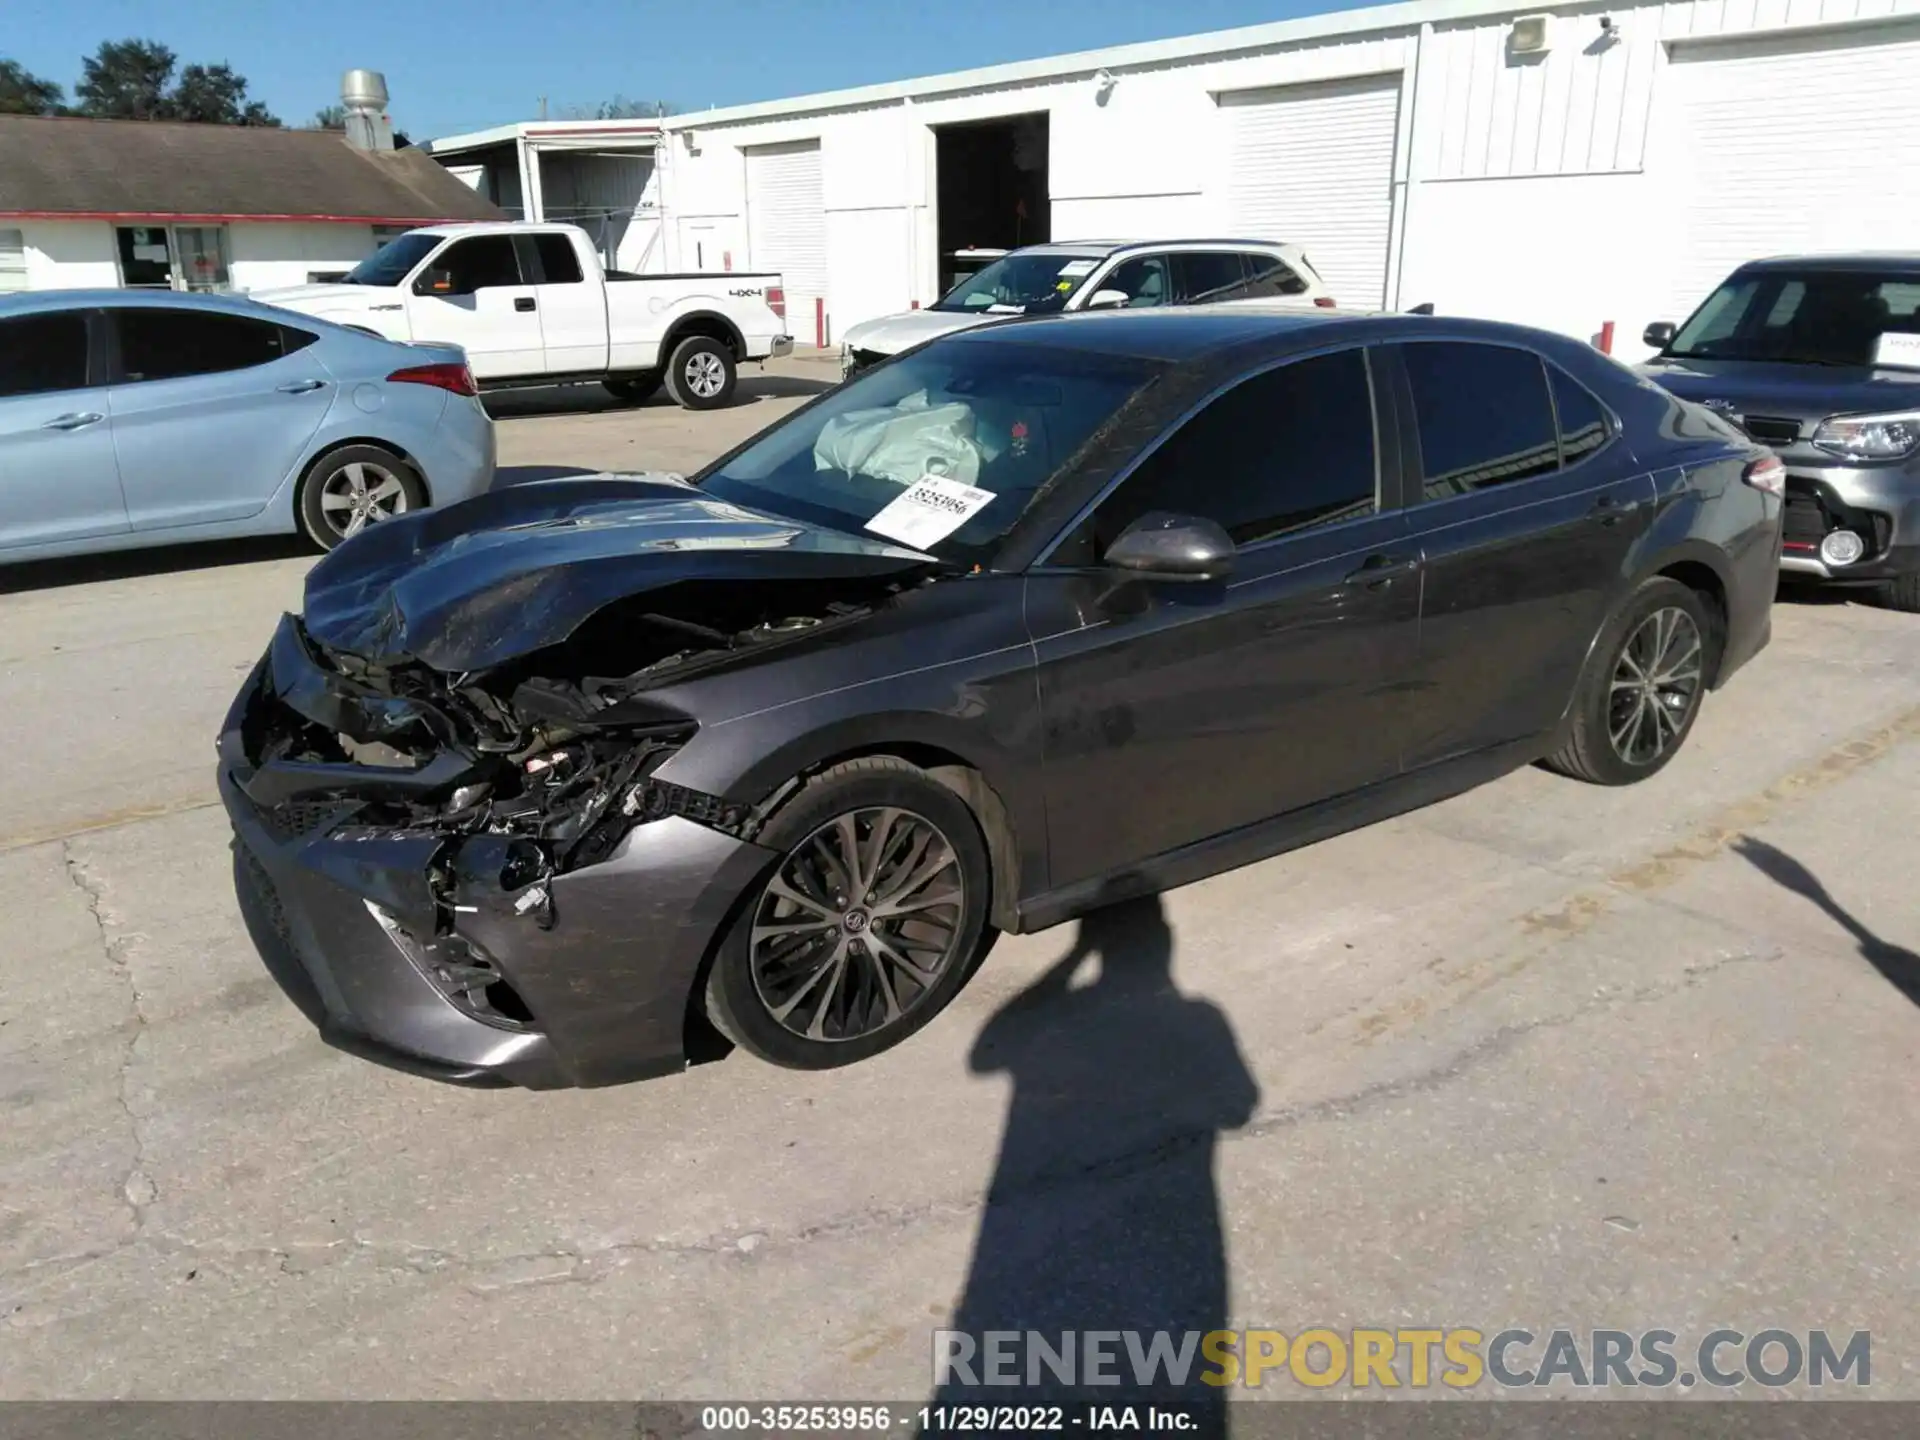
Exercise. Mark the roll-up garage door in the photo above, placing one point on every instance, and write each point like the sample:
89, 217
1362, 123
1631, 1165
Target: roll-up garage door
787, 226
1313, 165
1795, 144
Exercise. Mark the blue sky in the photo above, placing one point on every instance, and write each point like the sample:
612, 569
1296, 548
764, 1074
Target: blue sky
455, 65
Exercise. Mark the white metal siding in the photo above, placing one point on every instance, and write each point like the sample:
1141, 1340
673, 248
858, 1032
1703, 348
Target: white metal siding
1796, 144
787, 225
13, 260
1313, 164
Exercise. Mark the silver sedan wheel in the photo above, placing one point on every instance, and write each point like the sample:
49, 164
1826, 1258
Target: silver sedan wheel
706, 374
358, 494
858, 925
1656, 684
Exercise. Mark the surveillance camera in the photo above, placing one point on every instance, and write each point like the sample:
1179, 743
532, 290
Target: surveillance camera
1606, 22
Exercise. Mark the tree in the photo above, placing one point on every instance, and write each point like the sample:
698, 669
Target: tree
214, 95
618, 108
133, 80
126, 80
24, 93
334, 117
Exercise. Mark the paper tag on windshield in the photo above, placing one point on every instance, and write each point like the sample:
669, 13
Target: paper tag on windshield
1898, 349
1078, 267
930, 509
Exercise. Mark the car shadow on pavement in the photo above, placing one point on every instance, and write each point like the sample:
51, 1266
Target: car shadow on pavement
596, 400
1103, 1214
152, 560
1900, 966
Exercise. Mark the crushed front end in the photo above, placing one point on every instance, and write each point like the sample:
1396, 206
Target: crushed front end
476, 878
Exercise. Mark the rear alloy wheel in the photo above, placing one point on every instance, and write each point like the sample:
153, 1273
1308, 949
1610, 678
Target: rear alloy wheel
867, 926
1642, 688
356, 486
701, 373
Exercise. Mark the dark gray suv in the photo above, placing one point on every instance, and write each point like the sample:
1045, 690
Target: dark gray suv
1818, 358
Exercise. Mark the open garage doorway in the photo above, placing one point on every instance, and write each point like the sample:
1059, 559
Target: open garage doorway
992, 191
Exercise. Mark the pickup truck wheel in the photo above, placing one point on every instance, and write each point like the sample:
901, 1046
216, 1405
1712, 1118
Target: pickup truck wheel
348, 489
701, 375
634, 388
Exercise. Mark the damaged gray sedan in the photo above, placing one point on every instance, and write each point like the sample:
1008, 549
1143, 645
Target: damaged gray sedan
580, 781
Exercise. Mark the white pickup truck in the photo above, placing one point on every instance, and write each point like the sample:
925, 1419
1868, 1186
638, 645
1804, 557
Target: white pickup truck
531, 305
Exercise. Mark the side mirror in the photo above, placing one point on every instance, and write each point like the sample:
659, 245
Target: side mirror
1659, 334
1164, 546
434, 281
1108, 300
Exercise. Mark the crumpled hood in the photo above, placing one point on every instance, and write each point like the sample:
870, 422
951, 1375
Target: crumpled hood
891, 334
1802, 392
515, 570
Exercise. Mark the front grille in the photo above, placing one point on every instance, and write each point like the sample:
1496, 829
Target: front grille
1771, 429
295, 819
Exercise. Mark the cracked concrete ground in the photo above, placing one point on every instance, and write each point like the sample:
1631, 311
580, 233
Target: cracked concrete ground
1541, 1055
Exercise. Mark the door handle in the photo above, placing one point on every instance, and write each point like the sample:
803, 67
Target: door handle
1377, 572
300, 387
74, 420
525, 302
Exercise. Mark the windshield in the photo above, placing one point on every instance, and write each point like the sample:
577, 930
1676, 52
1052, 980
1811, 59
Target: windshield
393, 261
1814, 317
1027, 283
941, 451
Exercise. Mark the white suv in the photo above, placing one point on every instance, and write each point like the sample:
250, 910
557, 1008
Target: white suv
1096, 275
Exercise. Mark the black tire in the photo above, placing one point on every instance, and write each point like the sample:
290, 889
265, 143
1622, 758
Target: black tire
701, 373
1901, 593
634, 389
1657, 718
838, 1017
332, 475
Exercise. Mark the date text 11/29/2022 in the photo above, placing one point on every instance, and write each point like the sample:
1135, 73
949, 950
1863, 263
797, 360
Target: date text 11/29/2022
871, 1419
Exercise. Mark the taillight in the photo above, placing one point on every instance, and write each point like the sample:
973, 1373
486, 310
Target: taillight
457, 378
1326, 302
1768, 474
777, 300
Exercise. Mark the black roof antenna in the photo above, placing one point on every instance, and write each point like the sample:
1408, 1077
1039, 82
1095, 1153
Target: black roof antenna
1422, 309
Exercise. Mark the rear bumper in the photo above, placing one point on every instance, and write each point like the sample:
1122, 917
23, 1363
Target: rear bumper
355, 922
781, 348
462, 461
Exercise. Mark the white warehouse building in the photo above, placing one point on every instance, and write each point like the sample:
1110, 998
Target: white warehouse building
1571, 168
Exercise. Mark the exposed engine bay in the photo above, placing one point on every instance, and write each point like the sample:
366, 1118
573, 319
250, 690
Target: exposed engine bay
556, 747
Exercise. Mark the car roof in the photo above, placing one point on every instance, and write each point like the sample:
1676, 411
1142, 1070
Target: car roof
1115, 247
30, 302
1180, 333
1902, 261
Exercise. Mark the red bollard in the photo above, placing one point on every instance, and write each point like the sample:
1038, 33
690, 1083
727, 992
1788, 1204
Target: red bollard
1606, 338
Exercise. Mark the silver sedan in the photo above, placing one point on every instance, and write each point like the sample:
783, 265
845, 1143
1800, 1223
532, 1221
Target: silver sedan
150, 418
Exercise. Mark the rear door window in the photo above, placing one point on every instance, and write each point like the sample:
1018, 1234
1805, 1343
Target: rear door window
1207, 277
40, 354
1584, 426
166, 344
559, 265
1268, 276
1483, 415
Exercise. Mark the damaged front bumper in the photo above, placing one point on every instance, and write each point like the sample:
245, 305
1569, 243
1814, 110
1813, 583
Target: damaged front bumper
457, 955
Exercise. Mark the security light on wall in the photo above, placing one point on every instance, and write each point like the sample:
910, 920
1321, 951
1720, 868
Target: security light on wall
1103, 83
1528, 34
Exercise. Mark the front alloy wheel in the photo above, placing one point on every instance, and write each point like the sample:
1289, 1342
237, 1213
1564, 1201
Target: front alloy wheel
870, 922
858, 925
1655, 687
